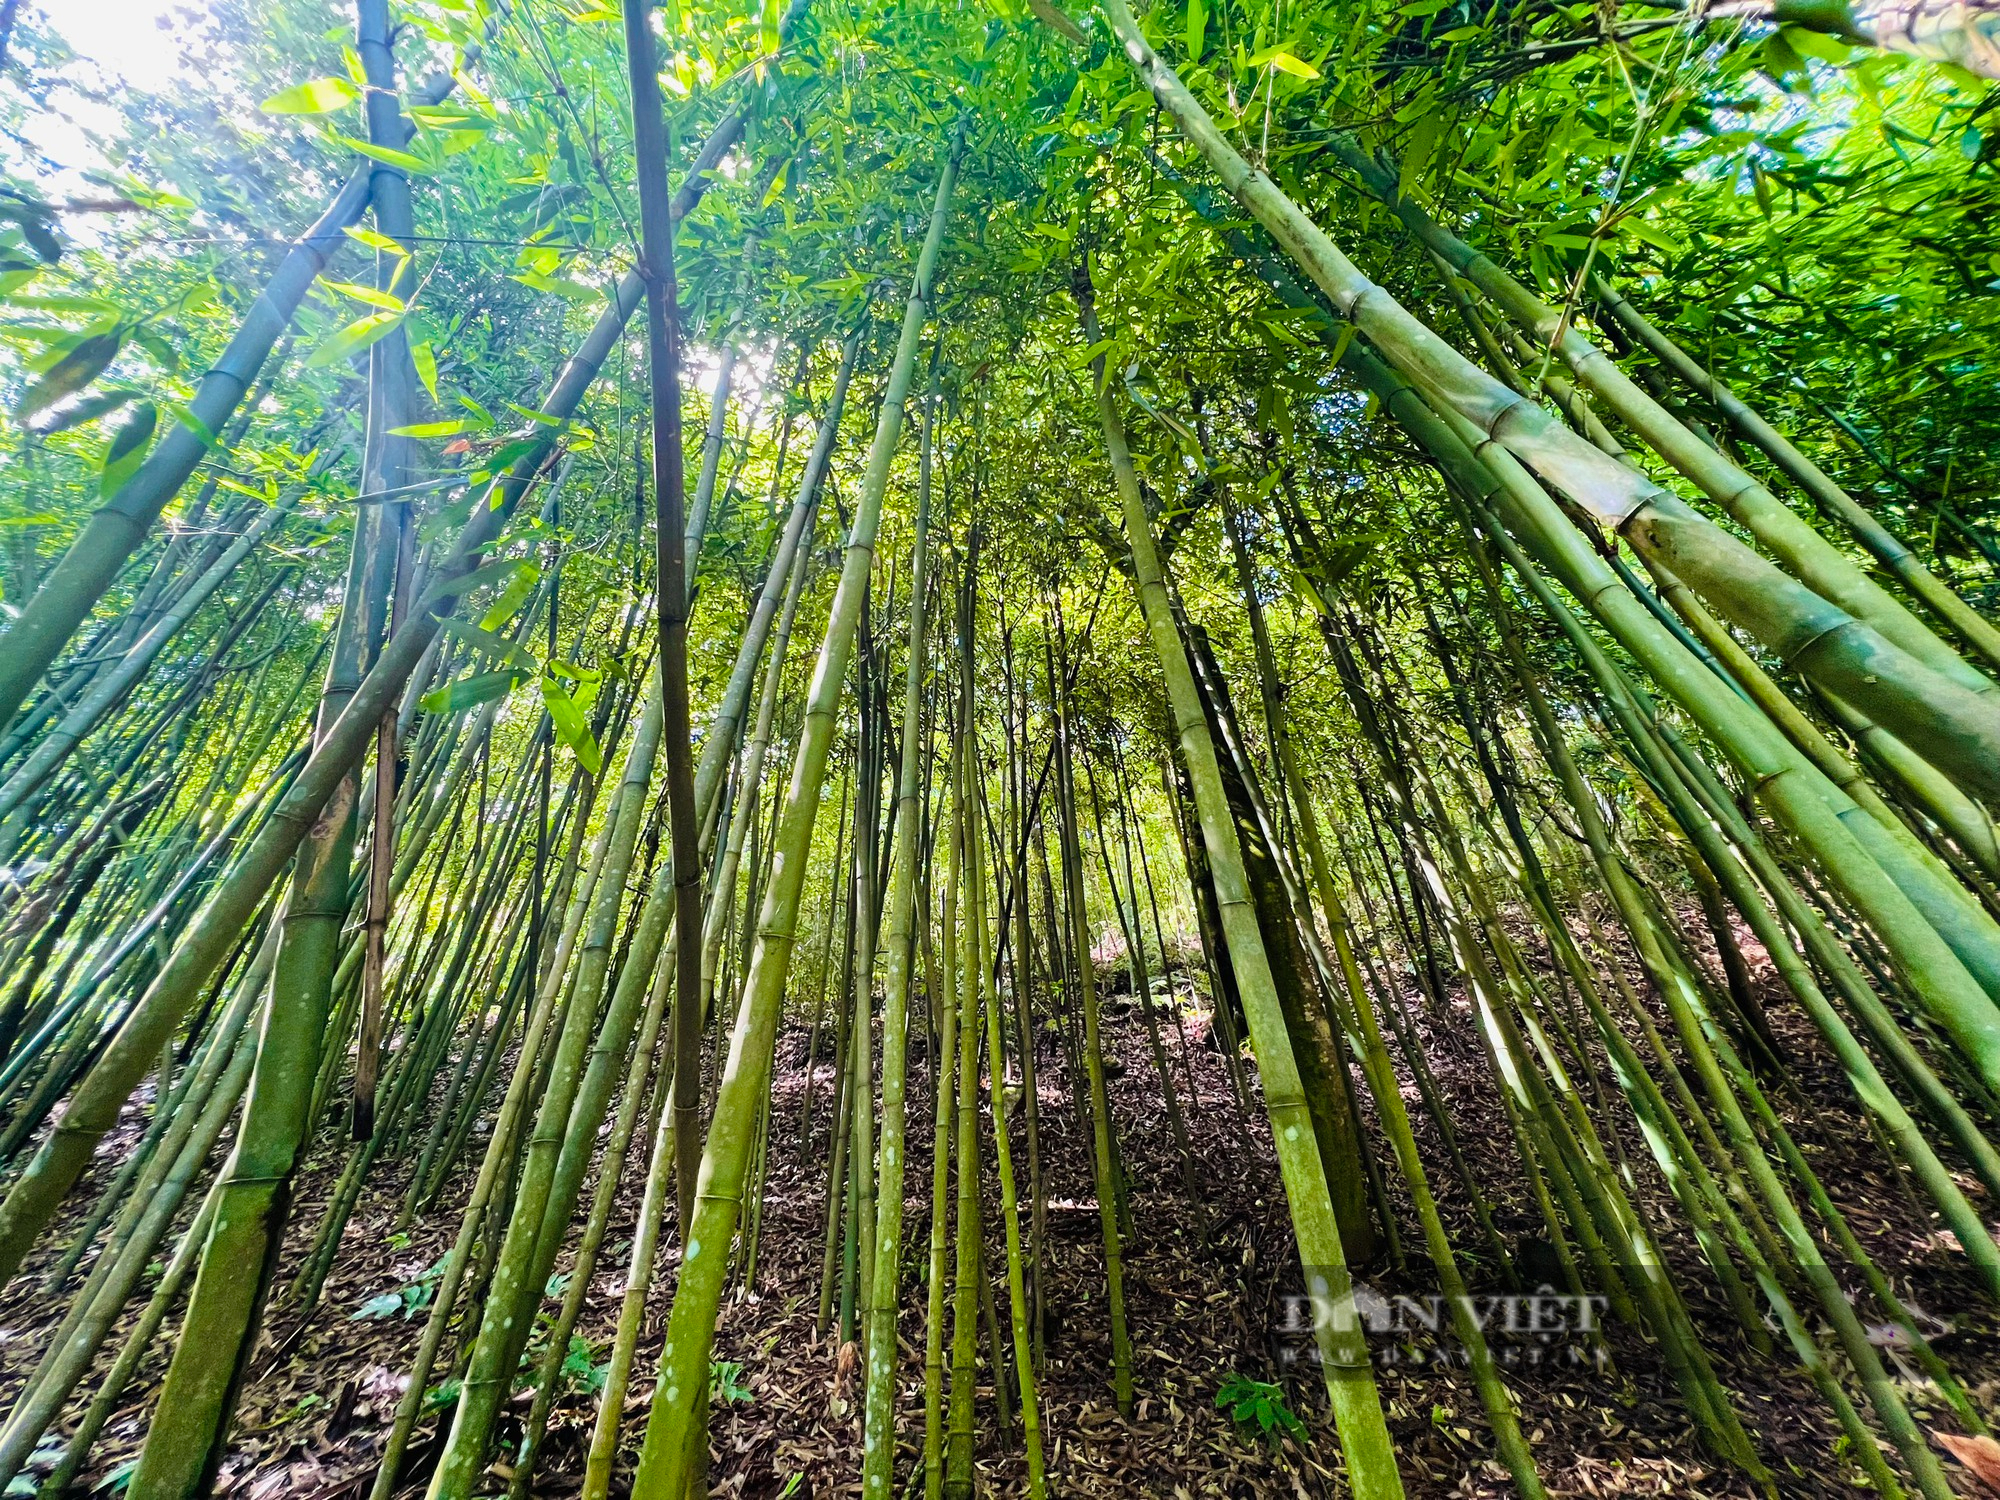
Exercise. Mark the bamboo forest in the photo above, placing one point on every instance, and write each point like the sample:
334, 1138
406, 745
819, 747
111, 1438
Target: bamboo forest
1195, 749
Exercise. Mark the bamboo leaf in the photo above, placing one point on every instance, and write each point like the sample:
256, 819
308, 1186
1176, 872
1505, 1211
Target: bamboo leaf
352, 339
387, 154
470, 692
561, 286
433, 429
83, 409
373, 296
375, 241
195, 425
570, 725
74, 369
509, 599
318, 96
425, 359
1652, 234
1809, 43
1279, 58
162, 353
498, 647
540, 418
491, 572
127, 449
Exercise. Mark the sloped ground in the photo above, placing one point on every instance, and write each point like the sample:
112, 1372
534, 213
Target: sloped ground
1207, 1283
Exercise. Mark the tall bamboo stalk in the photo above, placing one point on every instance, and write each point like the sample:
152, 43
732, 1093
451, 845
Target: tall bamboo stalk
879, 1429
673, 1425
1350, 1382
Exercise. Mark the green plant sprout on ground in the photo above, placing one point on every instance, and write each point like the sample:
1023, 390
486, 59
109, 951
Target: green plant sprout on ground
1259, 1404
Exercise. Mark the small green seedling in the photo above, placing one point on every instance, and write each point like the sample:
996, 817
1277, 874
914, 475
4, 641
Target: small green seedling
725, 1383
1259, 1404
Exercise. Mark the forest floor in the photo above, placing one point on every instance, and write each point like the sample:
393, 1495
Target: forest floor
1208, 1278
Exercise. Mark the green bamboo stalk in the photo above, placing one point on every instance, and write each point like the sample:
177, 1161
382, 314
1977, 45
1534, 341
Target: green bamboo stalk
942, 982
880, 1346
1912, 695
1349, 1375
1493, 1394
104, 1400
958, 1479
1142, 983
674, 1421
638, 1282
1102, 1170
548, 1378
1805, 1252
103, 1299
73, 587
1814, 560
549, 999
1802, 801
54, 747
1886, 548
507, 1313
980, 943
752, 774
185, 1442
663, 362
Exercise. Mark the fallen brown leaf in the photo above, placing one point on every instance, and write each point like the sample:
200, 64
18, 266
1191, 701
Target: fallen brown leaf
1979, 1454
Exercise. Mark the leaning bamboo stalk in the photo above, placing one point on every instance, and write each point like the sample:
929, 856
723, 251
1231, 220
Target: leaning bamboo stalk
103, 1299
70, 590
1707, 817
1887, 549
1493, 1393
1932, 974
54, 747
548, 1378
1814, 559
1802, 800
1743, 1141
1909, 694
1810, 807
104, 1400
752, 774
175, 1118
93, 1107
550, 996
184, 1442
507, 1315
459, 1260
